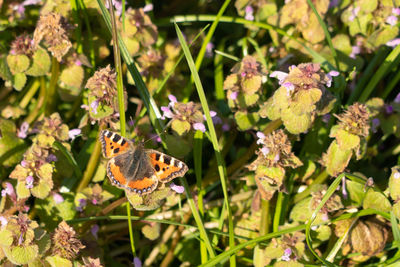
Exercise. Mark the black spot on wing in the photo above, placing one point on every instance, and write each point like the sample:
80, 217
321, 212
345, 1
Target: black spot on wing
158, 157
123, 142
116, 150
116, 138
167, 160
157, 167
108, 134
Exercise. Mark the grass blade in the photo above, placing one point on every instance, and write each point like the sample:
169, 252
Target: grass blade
213, 135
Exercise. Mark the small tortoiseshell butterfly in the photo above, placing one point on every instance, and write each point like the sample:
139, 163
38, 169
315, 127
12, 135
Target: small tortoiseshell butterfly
136, 168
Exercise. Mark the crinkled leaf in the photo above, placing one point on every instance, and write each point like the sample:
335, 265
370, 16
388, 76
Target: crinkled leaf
180, 127
11, 147
42, 189
57, 261
251, 85
19, 81
22, 191
346, 140
41, 63
70, 82
6, 237
296, 124
151, 232
150, 201
246, 120
376, 200
355, 192
21, 255
17, 63
5, 73
383, 35
102, 110
336, 159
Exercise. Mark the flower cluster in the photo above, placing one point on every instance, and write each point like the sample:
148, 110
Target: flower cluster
273, 158
350, 133
53, 29
300, 98
65, 243
91, 199
139, 32
184, 116
102, 98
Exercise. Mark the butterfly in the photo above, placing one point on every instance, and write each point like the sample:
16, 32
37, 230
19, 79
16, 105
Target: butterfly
135, 168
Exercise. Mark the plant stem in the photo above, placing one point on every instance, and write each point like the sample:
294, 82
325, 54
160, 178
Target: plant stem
319, 180
41, 99
51, 92
31, 92
92, 164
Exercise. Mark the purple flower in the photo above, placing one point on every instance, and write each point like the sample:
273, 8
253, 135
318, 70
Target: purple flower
326, 118
375, 123
177, 188
233, 95
396, 11
333, 3
9, 190
3, 221
95, 201
117, 5
94, 230
249, 13
332, 73
51, 158
289, 87
396, 175
397, 99
199, 126
265, 151
172, 99
73, 133
23, 130
391, 20
209, 49
78, 62
344, 191
137, 262
394, 42
29, 182
167, 113
354, 13
94, 105
277, 157
261, 137
21, 239
280, 75
58, 198
388, 109
148, 8
226, 127
355, 50
82, 204
24, 164
286, 254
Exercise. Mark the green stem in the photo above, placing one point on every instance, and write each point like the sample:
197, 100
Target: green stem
197, 155
51, 91
31, 92
214, 139
121, 105
278, 212
78, 30
41, 100
219, 74
89, 33
91, 167
264, 222
392, 83
379, 74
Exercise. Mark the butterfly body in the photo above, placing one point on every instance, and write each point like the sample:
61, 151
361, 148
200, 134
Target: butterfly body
136, 168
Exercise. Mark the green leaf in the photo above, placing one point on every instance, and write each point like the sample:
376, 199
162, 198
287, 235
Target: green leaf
180, 127
296, 124
102, 110
19, 81
57, 261
336, 159
6, 237
394, 183
42, 189
11, 147
355, 191
70, 82
17, 63
5, 73
41, 63
151, 232
376, 200
21, 255
246, 120
22, 191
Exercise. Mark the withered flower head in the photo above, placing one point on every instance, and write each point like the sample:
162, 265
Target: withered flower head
103, 85
276, 151
151, 63
307, 76
53, 28
355, 120
22, 45
51, 129
332, 204
141, 27
91, 262
65, 243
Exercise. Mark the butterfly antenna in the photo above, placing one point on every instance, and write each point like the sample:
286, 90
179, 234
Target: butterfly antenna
163, 132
